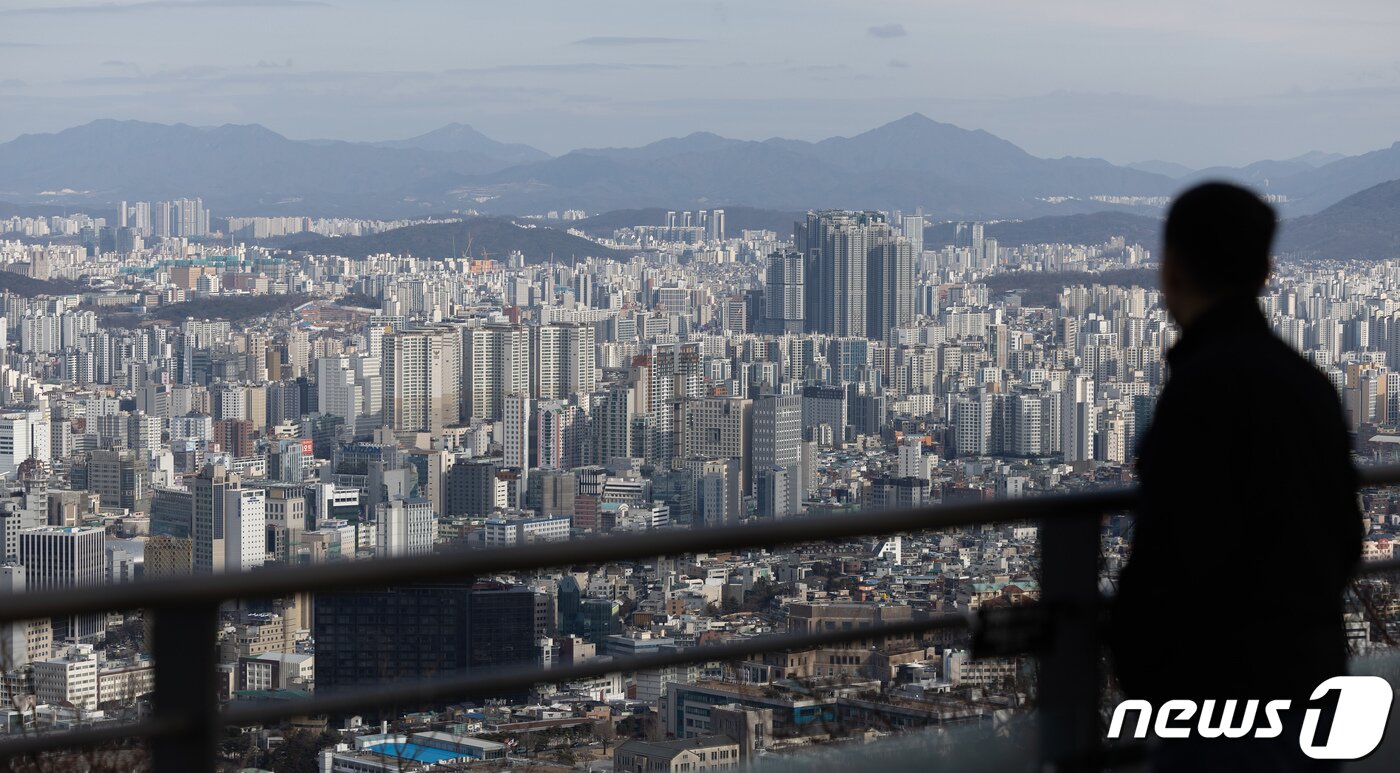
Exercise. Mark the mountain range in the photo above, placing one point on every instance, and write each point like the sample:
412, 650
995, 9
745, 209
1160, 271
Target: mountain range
951, 172
461, 138
1365, 225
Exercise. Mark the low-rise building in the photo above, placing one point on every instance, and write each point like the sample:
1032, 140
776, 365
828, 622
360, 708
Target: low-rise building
685, 755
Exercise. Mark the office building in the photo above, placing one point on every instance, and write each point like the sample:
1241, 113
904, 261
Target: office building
405, 527
777, 444
369, 636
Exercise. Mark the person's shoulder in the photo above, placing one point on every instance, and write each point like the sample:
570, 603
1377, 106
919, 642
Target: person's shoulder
1261, 362
1290, 371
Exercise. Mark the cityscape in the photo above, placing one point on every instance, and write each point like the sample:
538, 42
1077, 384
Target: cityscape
449, 347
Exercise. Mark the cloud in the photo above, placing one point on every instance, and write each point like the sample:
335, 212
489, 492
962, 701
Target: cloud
148, 5
899, 63
891, 30
580, 67
618, 40
12, 83
14, 44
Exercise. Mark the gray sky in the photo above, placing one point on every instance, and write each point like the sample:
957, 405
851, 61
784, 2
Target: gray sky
1194, 81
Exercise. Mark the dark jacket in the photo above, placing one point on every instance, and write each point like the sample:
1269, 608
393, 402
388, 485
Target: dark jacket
1249, 527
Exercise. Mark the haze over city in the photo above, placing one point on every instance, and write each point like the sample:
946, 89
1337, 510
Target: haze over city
1196, 83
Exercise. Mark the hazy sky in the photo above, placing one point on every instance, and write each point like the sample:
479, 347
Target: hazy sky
1195, 81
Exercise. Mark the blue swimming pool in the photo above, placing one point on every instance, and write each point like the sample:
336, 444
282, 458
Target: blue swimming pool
415, 752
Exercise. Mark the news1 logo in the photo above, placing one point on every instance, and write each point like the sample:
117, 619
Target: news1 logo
1359, 708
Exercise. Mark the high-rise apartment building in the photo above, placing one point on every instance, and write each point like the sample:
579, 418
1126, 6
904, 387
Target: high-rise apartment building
611, 423
229, 524
783, 293
351, 388
496, 364
972, 424
558, 435
665, 377
23, 435
913, 228
889, 286
721, 427
563, 360
858, 274
1078, 419
422, 379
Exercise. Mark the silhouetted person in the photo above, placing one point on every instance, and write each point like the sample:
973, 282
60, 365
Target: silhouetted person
1248, 528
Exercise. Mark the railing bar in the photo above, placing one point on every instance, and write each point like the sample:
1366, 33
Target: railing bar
282, 581
91, 736
464, 685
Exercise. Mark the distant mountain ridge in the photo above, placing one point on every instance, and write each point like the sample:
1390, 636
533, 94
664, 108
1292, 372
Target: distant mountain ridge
1363, 226
247, 168
461, 138
915, 161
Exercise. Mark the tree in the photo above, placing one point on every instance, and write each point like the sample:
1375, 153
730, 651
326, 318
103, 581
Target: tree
300, 751
606, 733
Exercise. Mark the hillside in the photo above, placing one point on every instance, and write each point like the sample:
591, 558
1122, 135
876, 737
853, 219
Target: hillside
492, 237
234, 308
1365, 225
1039, 288
19, 284
1095, 228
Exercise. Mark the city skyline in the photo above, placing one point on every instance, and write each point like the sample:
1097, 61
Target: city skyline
847, 384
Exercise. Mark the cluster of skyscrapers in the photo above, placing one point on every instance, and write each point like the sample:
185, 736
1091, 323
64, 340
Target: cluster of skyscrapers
399, 405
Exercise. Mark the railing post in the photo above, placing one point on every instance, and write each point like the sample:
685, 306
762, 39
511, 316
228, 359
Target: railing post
1069, 668
186, 658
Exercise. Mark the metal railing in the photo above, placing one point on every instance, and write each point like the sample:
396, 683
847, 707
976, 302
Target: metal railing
184, 728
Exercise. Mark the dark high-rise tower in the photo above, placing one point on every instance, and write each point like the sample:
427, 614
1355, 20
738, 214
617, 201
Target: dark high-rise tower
419, 631
889, 286
858, 274
783, 293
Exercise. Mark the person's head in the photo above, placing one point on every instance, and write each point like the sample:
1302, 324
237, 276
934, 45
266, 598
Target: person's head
1216, 248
